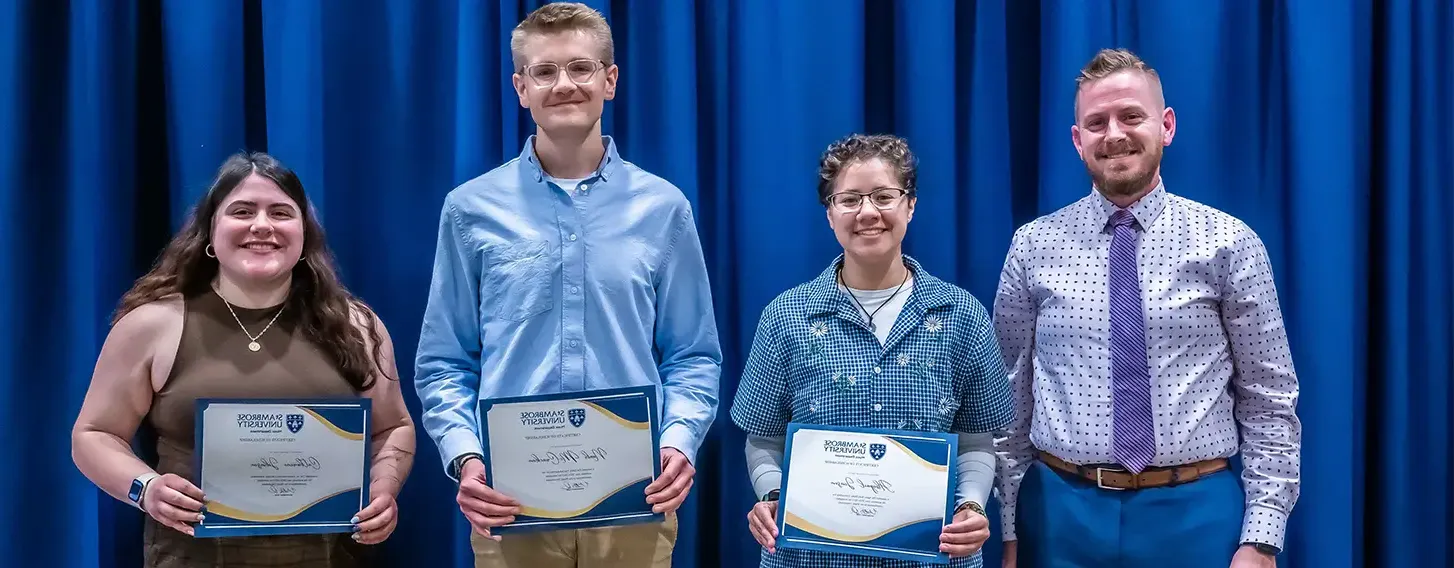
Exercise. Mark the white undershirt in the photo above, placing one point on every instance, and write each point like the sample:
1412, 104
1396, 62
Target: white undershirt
569, 184
885, 305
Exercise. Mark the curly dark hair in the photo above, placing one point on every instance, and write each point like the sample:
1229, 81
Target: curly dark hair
861, 148
327, 309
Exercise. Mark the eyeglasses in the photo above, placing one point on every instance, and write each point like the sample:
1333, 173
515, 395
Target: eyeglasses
883, 198
580, 71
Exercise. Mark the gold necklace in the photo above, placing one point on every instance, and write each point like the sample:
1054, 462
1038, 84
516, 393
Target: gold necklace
252, 344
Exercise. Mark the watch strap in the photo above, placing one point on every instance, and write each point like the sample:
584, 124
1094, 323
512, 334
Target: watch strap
971, 505
137, 493
771, 496
456, 467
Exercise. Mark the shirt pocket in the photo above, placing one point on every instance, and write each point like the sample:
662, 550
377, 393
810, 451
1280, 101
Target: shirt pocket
826, 393
517, 283
925, 387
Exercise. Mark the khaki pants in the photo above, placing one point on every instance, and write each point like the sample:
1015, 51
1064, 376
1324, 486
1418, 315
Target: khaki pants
628, 546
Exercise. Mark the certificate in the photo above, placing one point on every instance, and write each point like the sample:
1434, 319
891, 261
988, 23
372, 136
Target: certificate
281, 466
573, 460
881, 493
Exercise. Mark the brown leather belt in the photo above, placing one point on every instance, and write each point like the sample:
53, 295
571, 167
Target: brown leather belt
1115, 477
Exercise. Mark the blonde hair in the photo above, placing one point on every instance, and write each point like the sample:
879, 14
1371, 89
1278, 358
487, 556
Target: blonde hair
559, 17
1108, 62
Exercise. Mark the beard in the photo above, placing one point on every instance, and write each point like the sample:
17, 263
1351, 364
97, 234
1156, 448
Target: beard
1132, 180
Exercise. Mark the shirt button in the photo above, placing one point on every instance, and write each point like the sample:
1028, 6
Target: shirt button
573, 236
575, 290
877, 370
585, 186
573, 343
877, 407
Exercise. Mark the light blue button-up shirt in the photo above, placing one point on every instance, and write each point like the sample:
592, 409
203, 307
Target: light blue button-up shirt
541, 289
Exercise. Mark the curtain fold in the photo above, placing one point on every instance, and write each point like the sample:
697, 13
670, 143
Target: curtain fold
1322, 125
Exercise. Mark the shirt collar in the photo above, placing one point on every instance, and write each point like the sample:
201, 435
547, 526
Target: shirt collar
825, 297
610, 163
1145, 210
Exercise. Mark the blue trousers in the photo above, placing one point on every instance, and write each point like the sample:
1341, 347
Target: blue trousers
1063, 522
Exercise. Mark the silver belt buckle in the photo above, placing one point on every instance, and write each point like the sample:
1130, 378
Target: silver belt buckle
1100, 482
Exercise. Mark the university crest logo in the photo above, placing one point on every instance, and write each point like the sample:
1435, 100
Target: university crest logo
295, 423
877, 451
577, 417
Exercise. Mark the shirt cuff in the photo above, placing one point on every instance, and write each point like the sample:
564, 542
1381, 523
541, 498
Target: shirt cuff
1264, 525
678, 437
1007, 521
456, 443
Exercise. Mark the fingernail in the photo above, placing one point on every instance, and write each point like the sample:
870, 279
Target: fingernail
354, 519
201, 517
357, 536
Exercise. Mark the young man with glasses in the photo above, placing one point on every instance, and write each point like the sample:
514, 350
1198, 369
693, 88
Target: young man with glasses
564, 270
877, 342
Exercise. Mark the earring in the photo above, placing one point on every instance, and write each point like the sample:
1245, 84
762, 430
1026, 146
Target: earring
209, 252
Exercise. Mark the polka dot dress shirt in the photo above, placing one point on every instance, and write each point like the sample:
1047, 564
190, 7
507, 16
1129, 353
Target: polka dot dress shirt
1216, 349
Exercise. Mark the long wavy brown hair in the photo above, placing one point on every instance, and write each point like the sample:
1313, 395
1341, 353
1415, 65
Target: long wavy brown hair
327, 309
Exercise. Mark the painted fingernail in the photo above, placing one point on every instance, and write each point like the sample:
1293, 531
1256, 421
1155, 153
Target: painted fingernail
357, 536
201, 517
354, 519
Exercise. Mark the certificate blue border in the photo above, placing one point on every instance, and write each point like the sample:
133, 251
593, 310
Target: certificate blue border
794, 538
612, 512
334, 515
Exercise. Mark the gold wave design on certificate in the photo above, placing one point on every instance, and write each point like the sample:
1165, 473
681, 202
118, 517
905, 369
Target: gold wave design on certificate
618, 419
544, 514
241, 515
805, 525
336, 430
922, 461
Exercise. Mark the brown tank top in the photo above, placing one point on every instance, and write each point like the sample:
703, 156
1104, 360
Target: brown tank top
213, 361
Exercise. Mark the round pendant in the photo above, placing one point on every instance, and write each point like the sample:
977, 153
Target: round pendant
254, 346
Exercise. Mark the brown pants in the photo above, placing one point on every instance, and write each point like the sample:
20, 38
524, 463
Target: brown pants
628, 546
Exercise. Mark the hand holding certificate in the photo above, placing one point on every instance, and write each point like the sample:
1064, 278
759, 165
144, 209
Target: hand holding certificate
573, 460
869, 492
270, 467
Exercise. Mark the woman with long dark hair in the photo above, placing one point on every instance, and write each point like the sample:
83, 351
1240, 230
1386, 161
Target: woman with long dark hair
243, 303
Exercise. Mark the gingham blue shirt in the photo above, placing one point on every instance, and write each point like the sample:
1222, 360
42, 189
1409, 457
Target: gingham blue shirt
814, 361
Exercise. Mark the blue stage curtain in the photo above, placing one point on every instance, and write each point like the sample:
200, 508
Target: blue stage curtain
1322, 124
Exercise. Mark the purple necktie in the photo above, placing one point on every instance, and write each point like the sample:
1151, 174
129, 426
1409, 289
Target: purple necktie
1133, 433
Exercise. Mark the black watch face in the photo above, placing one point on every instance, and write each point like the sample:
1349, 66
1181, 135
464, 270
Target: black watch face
135, 493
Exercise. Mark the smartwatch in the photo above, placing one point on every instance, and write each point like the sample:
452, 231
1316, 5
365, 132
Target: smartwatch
771, 496
137, 492
1266, 548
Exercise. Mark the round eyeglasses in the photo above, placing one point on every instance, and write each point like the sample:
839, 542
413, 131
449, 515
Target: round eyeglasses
883, 198
580, 71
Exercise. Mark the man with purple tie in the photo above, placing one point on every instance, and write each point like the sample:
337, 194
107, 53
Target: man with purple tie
1145, 347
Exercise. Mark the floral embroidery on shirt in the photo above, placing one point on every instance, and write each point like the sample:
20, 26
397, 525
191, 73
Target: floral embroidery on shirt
904, 359
932, 324
947, 405
818, 329
818, 333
